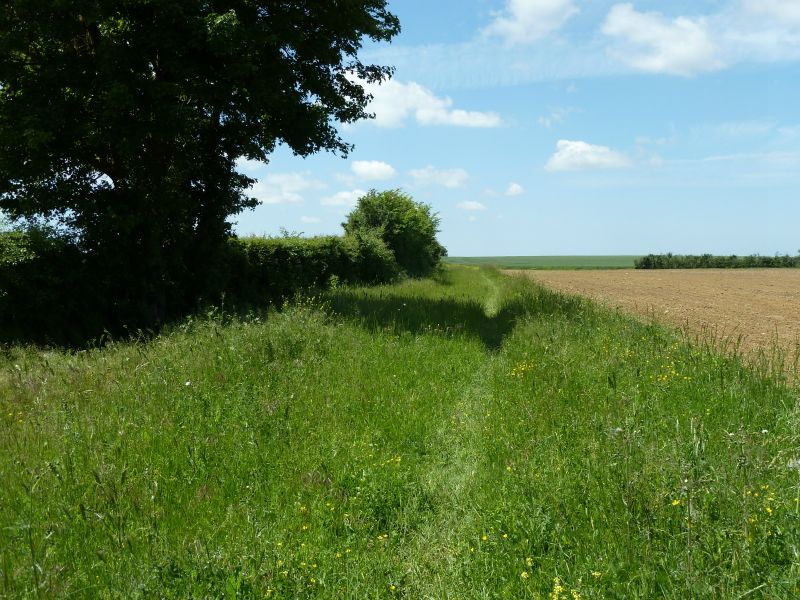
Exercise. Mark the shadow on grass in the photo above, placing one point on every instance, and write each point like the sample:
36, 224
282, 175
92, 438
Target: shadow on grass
388, 310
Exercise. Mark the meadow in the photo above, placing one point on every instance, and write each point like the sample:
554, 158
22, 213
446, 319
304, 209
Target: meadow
547, 262
472, 435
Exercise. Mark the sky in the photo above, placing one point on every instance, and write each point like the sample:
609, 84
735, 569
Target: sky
570, 127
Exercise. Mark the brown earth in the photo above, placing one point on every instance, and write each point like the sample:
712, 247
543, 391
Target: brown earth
749, 308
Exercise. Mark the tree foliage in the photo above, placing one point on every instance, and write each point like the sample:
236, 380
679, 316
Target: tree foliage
407, 227
122, 120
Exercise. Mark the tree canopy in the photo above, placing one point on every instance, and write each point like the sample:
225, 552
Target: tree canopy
122, 120
407, 227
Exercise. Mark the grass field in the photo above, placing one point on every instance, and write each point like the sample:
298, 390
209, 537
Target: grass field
546, 262
473, 436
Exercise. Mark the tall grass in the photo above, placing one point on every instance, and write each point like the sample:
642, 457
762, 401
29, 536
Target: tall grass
470, 436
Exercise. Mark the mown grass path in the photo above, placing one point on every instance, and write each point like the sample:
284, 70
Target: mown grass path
470, 436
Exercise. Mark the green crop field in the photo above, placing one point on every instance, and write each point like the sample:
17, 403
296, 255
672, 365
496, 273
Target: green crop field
547, 262
469, 436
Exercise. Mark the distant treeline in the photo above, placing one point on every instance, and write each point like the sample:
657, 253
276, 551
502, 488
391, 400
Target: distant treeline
709, 261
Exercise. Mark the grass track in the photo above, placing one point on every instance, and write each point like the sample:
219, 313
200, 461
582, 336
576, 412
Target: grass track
473, 436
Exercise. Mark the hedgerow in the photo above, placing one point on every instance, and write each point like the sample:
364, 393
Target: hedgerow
49, 291
709, 261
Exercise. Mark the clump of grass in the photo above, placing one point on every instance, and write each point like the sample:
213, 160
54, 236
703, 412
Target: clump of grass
466, 436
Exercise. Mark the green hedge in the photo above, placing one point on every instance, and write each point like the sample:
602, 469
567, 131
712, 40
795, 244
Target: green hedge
50, 292
271, 269
45, 291
709, 261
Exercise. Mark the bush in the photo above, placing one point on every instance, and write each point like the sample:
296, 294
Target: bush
407, 227
371, 261
45, 290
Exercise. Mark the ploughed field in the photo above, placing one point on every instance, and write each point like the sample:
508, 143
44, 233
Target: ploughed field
752, 308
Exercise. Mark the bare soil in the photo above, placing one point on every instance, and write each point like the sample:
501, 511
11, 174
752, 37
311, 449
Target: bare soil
750, 309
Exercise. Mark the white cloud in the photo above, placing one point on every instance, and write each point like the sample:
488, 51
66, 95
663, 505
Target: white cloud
555, 117
248, 166
372, 170
346, 198
395, 102
306, 219
515, 189
650, 42
785, 12
525, 21
471, 205
284, 188
449, 178
576, 155
738, 129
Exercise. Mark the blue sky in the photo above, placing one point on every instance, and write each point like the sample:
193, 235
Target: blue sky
540, 127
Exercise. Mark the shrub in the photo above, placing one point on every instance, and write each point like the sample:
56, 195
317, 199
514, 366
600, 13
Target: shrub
46, 293
371, 260
407, 227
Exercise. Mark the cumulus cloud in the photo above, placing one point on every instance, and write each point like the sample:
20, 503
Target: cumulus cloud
372, 170
515, 189
525, 21
449, 178
576, 156
653, 43
395, 102
306, 219
471, 205
345, 198
284, 188
786, 12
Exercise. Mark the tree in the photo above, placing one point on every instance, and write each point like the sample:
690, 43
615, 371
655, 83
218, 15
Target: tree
407, 227
122, 120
